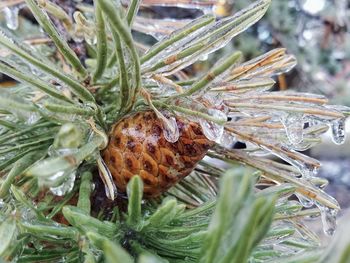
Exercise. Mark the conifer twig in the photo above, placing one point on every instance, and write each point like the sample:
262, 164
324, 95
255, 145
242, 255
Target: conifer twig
102, 47
62, 46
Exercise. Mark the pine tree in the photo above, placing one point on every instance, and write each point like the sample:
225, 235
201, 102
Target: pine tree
68, 189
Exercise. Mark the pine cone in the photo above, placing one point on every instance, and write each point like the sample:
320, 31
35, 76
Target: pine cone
137, 147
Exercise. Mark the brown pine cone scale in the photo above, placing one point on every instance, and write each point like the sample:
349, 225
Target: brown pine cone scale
137, 147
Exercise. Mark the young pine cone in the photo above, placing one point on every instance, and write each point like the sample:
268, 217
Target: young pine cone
137, 147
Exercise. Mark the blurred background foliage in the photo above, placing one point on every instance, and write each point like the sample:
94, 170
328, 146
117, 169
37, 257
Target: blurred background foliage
316, 32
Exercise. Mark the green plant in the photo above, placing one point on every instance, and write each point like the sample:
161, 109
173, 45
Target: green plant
55, 123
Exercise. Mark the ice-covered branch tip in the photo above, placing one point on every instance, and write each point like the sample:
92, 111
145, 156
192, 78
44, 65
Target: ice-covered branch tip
198, 39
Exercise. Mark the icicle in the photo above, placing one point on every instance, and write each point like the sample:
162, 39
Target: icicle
66, 186
308, 170
211, 130
171, 130
304, 201
307, 166
329, 219
338, 131
105, 175
61, 182
227, 140
11, 16
294, 125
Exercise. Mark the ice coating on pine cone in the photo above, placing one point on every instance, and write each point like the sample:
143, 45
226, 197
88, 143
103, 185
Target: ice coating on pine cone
212, 106
138, 146
171, 130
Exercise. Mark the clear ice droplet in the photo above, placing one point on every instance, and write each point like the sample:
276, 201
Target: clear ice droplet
171, 130
338, 131
33, 118
91, 39
227, 140
212, 130
66, 186
34, 70
308, 170
294, 125
11, 17
304, 201
204, 57
329, 219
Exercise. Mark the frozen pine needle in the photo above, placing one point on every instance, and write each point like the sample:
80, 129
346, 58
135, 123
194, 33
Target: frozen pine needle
111, 149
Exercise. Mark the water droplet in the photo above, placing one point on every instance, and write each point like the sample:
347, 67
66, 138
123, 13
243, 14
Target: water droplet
204, 57
329, 219
308, 170
37, 244
27, 214
294, 125
304, 201
66, 186
90, 38
338, 131
171, 130
227, 140
34, 70
212, 130
11, 16
33, 118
